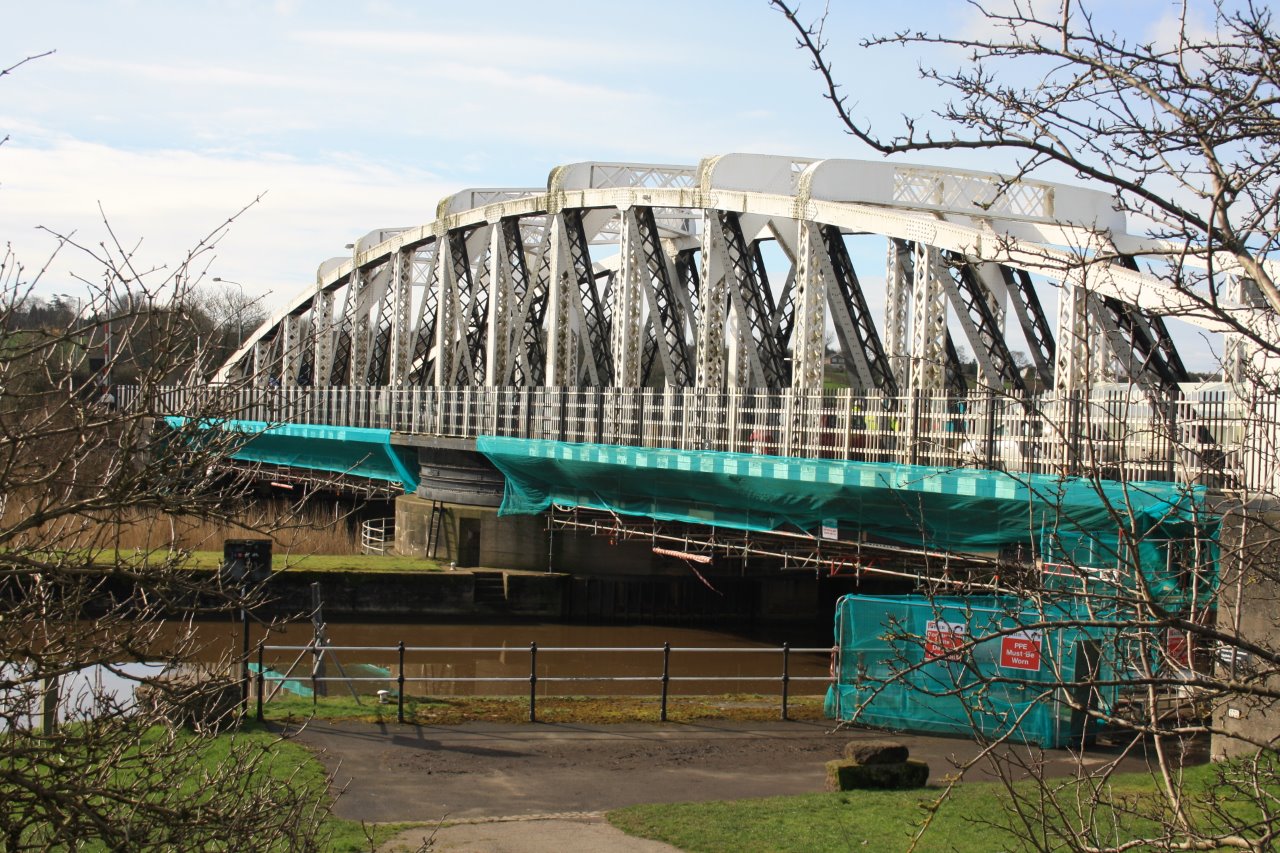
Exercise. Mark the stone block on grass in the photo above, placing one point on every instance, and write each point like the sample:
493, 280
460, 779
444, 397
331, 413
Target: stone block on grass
876, 751
846, 775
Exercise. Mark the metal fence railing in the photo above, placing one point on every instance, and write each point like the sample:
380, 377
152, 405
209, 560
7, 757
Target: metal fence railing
547, 670
1210, 437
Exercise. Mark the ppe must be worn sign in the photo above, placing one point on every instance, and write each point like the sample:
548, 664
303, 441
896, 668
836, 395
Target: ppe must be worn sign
1021, 651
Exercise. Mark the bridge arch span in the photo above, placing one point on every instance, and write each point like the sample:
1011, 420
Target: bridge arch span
622, 275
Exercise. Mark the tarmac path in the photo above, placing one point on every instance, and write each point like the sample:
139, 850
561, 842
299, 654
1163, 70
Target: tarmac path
543, 788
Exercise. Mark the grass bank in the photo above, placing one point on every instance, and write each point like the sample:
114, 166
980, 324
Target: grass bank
974, 816
596, 710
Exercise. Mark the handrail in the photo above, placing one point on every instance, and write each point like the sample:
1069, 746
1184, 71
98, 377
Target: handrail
1210, 436
784, 678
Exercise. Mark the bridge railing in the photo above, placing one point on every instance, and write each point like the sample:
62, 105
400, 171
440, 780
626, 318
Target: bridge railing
1212, 438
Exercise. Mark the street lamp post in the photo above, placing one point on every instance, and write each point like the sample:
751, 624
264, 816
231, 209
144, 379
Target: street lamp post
239, 309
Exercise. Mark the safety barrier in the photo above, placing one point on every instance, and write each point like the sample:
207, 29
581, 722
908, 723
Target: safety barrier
1208, 437
539, 672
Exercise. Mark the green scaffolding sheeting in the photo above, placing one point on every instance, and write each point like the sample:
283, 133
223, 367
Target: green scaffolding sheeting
944, 508
357, 451
973, 665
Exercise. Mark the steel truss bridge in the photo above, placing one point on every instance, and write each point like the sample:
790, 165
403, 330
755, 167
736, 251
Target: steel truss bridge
501, 289
626, 303
624, 307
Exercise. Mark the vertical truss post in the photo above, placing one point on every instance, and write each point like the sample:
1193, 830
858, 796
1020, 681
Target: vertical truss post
897, 307
712, 306
503, 303
625, 305
928, 323
446, 326
322, 328
290, 350
811, 316
1239, 351
401, 353
1074, 349
562, 333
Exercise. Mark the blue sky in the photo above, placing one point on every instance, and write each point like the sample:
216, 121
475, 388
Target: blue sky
357, 115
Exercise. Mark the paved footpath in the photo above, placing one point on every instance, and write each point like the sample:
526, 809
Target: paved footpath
543, 788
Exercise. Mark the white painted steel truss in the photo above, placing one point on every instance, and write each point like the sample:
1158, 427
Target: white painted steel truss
625, 275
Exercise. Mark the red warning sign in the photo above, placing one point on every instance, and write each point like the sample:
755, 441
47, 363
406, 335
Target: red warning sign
1021, 651
942, 639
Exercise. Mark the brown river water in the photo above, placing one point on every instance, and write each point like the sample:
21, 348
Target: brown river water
496, 659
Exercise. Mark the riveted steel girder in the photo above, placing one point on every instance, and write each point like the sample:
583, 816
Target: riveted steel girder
422, 362
897, 308
811, 317
855, 327
981, 325
1032, 319
339, 373
400, 354
1074, 343
766, 359
292, 345
656, 274
929, 337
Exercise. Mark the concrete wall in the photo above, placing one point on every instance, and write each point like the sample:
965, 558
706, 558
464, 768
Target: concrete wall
1249, 608
513, 542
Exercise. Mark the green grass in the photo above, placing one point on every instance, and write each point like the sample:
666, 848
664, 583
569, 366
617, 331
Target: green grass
594, 710
971, 818
189, 778
328, 562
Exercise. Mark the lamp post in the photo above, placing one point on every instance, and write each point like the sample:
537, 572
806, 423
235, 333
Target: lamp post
239, 308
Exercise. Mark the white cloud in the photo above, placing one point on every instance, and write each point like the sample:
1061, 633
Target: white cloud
489, 48
170, 200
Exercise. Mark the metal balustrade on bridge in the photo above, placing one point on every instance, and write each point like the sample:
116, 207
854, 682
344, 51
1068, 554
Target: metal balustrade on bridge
532, 665
1118, 433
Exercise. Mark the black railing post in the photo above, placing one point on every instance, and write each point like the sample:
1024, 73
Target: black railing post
666, 678
599, 416
786, 676
564, 411
533, 682
261, 680
400, 686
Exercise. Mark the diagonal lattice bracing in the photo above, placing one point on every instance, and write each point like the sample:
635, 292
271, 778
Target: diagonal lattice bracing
1035, 325
970, 300
772, 358
665, 307
852, 300
422, 364
597, 323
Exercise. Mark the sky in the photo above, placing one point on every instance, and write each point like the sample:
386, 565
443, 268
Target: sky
167, 118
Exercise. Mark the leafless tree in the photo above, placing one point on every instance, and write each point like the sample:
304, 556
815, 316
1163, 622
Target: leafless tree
1183, 131
81, 463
